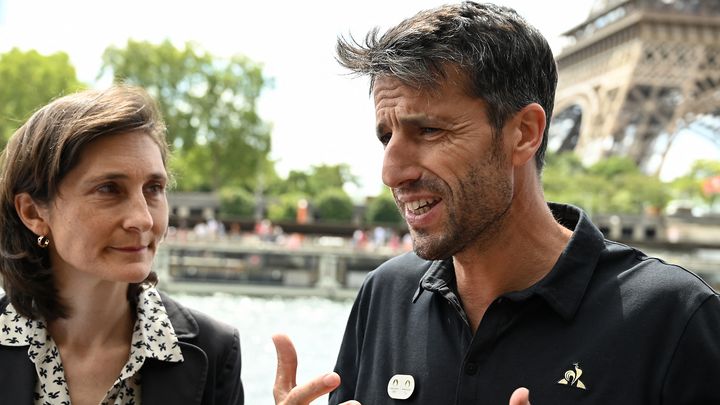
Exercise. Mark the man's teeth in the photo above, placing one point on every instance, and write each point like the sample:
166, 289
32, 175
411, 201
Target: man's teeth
420, 206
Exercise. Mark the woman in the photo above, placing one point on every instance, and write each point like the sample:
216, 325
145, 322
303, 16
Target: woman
82, 212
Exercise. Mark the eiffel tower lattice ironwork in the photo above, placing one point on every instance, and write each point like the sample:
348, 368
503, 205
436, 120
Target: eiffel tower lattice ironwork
634, 71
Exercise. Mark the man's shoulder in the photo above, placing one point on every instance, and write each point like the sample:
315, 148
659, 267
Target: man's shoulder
651, 276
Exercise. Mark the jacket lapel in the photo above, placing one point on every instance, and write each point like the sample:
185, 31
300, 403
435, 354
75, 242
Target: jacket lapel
177, 383
17, 374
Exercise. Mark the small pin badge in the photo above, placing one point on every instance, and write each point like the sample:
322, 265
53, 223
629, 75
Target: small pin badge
401, 386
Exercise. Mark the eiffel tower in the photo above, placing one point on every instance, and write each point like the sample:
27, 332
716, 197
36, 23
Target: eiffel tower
634, 74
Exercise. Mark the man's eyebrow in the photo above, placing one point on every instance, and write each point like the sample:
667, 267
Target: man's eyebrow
417, 120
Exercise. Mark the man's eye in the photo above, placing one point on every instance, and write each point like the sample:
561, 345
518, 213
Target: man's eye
107, 188
156, 188
429, 130
385, 138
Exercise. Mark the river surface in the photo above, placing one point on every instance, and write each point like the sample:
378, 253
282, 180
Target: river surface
315, 325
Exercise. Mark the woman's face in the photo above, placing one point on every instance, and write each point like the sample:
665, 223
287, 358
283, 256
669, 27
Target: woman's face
111, 212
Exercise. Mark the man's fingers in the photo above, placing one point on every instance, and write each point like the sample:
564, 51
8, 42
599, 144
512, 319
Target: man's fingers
285, 390
521, 396
306, 393
286, 367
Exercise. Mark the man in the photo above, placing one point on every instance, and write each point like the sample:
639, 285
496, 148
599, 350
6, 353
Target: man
503, 290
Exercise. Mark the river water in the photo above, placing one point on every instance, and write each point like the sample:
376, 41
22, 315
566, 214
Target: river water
315, 325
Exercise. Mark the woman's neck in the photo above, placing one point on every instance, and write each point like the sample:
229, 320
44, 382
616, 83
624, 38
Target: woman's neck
99, 314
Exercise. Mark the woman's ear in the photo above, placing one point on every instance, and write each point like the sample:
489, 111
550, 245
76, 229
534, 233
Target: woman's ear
531, 124
32, 214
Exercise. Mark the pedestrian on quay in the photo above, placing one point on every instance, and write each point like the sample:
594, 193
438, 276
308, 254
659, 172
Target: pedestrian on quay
506, 297
82, 212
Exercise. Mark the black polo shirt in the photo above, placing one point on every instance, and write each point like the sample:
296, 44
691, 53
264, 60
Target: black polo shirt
608, 325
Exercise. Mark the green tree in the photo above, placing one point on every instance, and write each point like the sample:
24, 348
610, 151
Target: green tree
383, 210
29, 80
612, 185
237, 202
614, 166
315, 180
209, 104
624, 188
334, 205
284, 207
559, 173
690, 186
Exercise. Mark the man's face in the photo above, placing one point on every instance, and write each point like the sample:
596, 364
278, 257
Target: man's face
451, 180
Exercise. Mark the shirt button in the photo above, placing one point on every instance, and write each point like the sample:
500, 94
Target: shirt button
471, 368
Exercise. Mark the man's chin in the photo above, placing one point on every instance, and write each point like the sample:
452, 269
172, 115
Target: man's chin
426, 256
430, 251
433, 246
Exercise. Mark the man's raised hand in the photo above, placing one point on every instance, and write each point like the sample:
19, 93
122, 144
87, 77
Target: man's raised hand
286, 391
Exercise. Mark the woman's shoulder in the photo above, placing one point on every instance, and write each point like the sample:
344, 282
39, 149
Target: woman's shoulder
219, 342
189, 321
195, 327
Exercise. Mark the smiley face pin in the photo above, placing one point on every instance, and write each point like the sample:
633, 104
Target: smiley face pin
401, 386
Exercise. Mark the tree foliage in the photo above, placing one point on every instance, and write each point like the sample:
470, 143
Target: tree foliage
333, 205
209, 104
237, 202
29, 80
315, 180
612, 185
383, 210
690, 186
284, 207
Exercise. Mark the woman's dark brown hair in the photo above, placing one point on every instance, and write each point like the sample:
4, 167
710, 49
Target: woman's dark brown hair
37, 158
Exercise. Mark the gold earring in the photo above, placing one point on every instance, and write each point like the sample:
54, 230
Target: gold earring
43, 241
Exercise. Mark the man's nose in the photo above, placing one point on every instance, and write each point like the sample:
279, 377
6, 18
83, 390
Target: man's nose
401, 161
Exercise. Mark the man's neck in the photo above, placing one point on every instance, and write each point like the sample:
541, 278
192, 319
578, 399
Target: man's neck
518, 256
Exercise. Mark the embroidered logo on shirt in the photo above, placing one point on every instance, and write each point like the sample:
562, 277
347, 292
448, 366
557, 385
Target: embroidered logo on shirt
572, 378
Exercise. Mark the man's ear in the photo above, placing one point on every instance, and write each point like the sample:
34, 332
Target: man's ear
32, 214
530, 123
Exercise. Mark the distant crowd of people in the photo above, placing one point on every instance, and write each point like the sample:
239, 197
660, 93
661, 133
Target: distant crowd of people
377, 238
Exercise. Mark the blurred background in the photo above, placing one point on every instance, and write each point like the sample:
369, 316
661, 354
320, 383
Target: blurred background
279, 212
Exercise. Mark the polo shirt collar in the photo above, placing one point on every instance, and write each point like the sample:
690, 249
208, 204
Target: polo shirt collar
440, 277
563, 288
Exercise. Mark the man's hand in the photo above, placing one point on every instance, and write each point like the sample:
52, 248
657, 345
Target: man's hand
286, 391
521, 396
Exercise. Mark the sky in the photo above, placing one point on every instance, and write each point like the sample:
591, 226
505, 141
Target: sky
319, 114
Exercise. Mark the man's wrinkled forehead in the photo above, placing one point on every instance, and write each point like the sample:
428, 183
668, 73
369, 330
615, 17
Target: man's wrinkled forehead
447, 75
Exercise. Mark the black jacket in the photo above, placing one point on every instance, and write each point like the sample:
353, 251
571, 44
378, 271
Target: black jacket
210, 374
